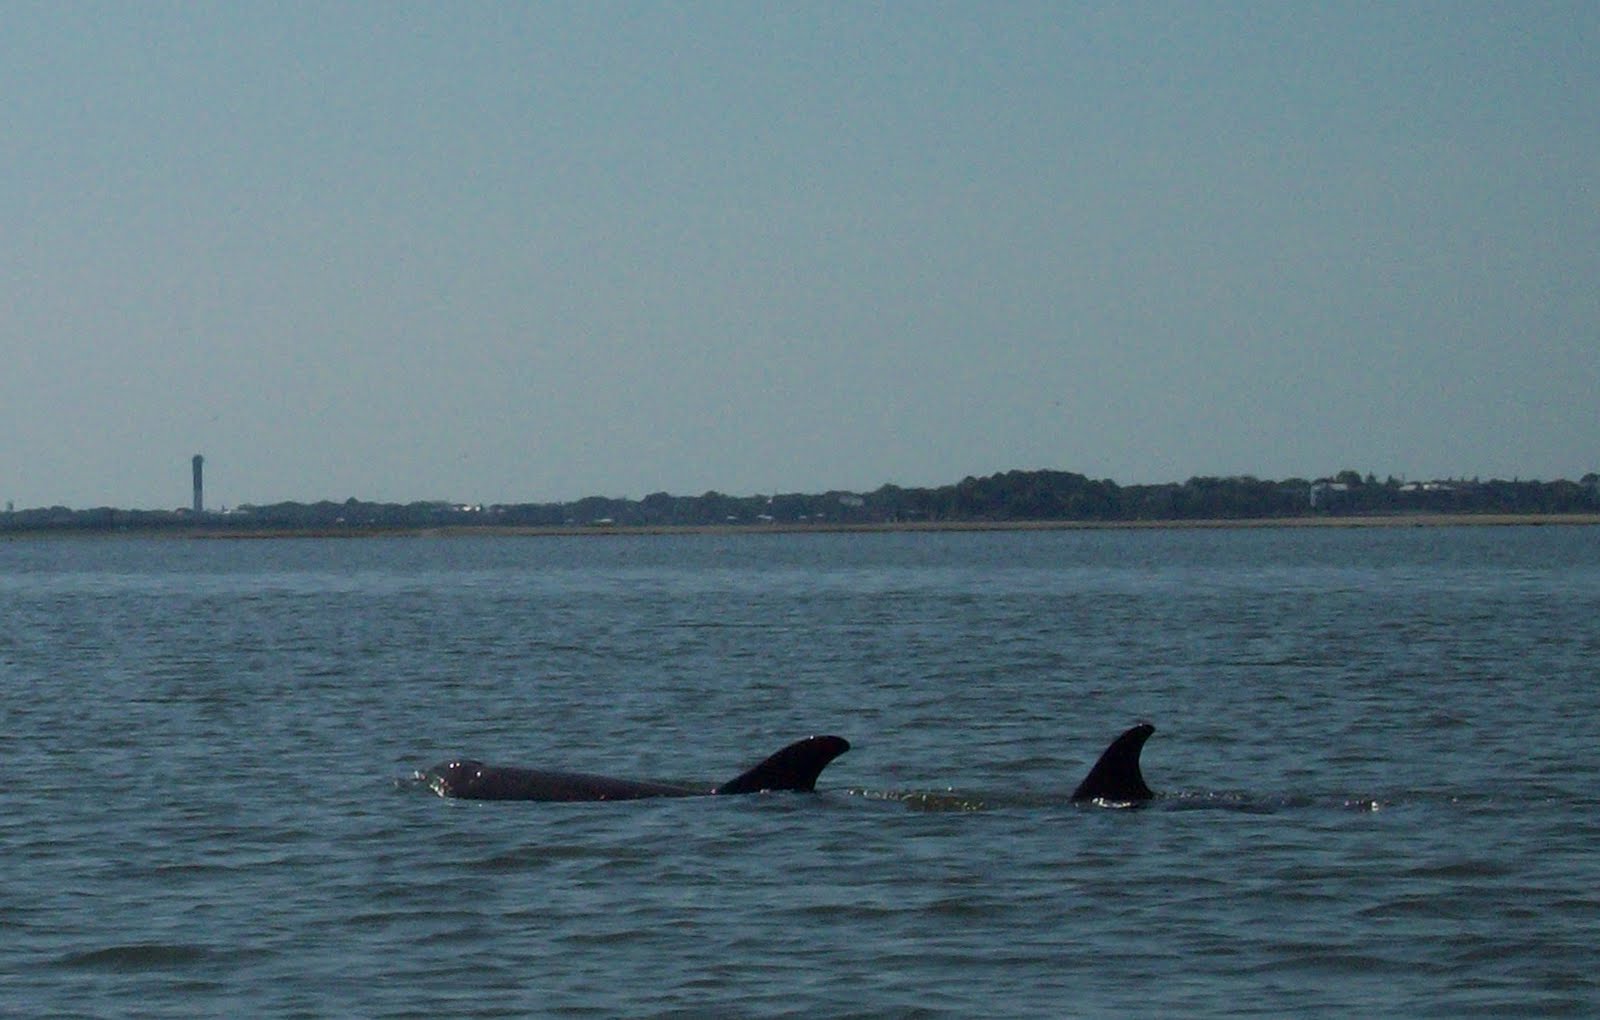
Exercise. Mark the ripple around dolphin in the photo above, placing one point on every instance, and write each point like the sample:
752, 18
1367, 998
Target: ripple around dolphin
923, 800
950, 799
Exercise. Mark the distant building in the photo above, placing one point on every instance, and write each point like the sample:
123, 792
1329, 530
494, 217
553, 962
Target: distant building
199, 495
1322, 490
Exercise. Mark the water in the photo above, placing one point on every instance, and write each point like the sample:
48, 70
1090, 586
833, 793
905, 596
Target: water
1376, 751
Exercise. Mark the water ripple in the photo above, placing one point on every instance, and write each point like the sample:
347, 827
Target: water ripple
1374, 759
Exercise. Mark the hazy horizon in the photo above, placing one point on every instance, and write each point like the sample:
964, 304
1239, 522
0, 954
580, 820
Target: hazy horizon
531, 253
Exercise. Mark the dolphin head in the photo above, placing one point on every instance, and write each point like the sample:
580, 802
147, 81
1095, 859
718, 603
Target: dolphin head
454, 778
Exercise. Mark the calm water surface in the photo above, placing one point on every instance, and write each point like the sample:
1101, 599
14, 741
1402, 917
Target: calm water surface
1376, 749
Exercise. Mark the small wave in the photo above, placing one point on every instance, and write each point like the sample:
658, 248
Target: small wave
610, 937
1426, 905
137, 956
1334, 961
1461, 870
961, 907
524, 858
856, 912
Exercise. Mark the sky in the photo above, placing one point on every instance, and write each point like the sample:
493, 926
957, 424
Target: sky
531, 252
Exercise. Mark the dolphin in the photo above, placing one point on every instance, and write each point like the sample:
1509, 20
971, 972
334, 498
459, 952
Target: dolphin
1115, 778
796, 767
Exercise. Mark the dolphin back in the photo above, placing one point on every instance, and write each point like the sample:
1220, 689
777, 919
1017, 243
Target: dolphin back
1116, 776
473, 780
796, 767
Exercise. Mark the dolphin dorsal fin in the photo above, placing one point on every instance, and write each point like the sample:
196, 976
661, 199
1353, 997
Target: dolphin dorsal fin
1116, 776
796, 767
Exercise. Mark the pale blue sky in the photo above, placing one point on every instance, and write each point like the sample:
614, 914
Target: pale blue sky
533, 252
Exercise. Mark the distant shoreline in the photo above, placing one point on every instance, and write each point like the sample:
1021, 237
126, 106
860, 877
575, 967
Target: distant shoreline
1009, 501
1422, 520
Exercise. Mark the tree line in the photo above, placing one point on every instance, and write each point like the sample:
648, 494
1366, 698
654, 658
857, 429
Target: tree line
1008, 497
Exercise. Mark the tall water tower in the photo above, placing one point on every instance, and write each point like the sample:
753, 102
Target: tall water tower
199, 500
